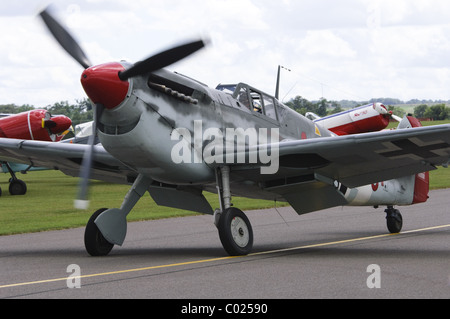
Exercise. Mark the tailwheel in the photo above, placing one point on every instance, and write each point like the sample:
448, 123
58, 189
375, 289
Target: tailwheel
235, 232
96, 245
394, 220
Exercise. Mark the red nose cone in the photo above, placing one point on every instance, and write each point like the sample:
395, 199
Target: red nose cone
58, 124
103, 86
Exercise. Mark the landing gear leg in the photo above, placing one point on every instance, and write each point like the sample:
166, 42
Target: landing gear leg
108, 227
235, 230
394, 220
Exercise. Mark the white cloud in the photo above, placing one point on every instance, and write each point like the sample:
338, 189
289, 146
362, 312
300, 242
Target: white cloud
348, 48
325, 43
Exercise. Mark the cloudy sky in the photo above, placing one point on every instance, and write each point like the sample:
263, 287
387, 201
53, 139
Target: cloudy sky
345, 49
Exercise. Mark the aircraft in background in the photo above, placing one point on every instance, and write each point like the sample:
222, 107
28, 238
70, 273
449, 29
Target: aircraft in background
174, 137
368, 118
31, 125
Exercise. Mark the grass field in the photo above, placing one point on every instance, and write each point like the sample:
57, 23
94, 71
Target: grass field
428, 123
48, 204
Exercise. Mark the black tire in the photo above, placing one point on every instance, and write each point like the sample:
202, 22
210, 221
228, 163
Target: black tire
235, 232
394, 222
96, 245
17, 188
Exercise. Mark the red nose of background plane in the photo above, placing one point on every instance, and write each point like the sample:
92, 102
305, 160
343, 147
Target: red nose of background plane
58, 124
103, 86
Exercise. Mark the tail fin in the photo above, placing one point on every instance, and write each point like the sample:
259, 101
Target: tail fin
422, 181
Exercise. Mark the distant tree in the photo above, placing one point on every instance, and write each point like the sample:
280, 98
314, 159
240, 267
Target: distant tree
301, 105
396, 111
322, 107
419, 111
438, 112
336, 110
15, 109
80, 112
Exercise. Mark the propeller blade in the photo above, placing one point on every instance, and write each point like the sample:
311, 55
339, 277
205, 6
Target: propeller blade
65, 39
82, 201
397, 118
162, 60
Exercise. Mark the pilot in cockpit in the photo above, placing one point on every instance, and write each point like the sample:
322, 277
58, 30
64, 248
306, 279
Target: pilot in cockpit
243, 99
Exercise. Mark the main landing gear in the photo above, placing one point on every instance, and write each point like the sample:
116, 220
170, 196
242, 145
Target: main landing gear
17, 187
394, 220
108, 227
235, 230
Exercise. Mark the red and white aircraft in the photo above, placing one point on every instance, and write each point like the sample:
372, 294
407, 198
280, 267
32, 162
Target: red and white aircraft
174, 137
368, 118
37, 125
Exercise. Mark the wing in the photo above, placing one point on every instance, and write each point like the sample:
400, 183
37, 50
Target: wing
65, 157
310, 170
358, 160
68, 157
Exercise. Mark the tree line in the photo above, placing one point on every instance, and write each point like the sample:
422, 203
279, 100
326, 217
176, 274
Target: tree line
81, 110
438, 112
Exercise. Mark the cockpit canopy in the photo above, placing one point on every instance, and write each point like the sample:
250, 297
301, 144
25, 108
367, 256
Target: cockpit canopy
251, 98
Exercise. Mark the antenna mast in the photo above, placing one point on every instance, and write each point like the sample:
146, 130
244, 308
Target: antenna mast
277, 90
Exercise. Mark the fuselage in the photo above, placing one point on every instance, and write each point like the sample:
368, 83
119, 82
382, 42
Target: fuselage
140, 131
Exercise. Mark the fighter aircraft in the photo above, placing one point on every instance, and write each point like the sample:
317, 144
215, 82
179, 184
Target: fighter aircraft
32, 125
175, 138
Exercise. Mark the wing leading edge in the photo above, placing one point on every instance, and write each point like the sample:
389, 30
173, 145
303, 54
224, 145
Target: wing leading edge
65, 157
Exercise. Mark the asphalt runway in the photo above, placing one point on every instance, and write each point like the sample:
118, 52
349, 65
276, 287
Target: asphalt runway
321, 255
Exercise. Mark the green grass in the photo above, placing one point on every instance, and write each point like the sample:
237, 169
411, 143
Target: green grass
440, 179
48, 204
425, 123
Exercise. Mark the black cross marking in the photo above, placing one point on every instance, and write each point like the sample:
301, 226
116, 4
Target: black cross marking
409, 148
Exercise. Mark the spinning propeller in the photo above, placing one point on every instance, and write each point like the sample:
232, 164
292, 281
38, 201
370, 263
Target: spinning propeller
151, 64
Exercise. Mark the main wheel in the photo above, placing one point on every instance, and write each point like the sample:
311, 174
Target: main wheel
235, 232
96, 245
394, 221
17, 188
